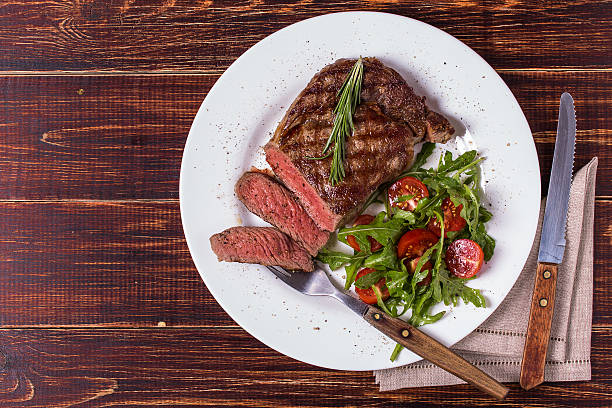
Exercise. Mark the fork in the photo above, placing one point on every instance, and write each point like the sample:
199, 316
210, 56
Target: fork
317, 283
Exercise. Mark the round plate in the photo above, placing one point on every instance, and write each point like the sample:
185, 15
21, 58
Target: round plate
240, 114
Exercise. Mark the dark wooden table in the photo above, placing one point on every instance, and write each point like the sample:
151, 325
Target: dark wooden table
100, 304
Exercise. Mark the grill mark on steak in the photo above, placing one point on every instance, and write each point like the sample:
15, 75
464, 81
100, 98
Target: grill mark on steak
271, 201
381, 85
260, 245
389, 121
378, 150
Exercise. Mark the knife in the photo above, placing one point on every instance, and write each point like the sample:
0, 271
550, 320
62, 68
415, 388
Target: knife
552, 247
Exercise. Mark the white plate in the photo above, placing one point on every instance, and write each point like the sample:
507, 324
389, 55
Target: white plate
242, 110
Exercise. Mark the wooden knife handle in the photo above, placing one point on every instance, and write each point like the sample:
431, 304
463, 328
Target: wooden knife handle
428, 348
538, 331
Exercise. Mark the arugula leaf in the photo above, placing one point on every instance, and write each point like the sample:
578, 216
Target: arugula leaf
485, 215
470, 295
336, 259
395, 282
486, 242
420, 159
407, 216
422, 317
378, 229
449, 164
393, 305
387, 258
454, 288
366, 281
351, 271
380, 301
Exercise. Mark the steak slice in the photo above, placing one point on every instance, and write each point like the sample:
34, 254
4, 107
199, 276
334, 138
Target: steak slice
260, 245
272, 202
389, 121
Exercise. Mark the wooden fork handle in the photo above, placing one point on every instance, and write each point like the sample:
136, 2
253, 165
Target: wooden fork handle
428, 348
538, 330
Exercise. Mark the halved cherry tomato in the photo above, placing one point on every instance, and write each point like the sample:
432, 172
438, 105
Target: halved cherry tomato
412, 265
363, 219
453, 221
368, 295
407, 186
464, 258
414, 243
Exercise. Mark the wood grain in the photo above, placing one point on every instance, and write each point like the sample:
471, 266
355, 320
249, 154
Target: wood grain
118, 137
95, 137
540, 322
121, 267
209, 35
226, 367
127, 264
538, 94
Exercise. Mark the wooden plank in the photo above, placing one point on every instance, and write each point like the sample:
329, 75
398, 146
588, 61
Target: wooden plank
206, 35
126, 263
538, 93
226, 367
117, 137
97, 263
95, 137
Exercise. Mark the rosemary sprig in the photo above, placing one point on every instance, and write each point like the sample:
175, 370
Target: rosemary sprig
349, 97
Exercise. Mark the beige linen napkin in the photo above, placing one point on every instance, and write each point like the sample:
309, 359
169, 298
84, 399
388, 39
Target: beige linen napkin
496, 346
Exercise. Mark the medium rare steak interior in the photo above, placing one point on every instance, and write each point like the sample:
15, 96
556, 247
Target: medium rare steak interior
272, 202
260, 245
389, 121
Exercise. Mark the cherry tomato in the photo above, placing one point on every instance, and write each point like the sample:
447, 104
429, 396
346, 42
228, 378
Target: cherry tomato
407, 186
464, 258
414, 243
368, 295
453, 221
364, 219
412, 265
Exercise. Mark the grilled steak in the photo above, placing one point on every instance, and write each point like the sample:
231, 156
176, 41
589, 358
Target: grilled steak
260, 245
272, 202
389, 121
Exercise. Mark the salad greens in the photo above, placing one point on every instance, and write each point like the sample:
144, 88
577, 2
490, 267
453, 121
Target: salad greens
455, 178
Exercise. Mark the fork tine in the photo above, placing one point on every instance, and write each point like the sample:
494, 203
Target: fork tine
283, 271
284, 275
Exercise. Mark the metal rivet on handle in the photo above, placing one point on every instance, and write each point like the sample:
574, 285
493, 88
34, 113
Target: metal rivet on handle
405, 333
543, 302
546, 274
376, 316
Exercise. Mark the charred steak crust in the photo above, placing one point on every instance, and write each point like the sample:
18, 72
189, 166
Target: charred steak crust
381, 85
260, 245
271, 201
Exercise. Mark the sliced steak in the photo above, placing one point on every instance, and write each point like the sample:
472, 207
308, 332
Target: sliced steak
272, 202
389, 121
260, 245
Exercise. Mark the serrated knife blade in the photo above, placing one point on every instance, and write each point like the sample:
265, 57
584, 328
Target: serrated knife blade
552, 243
552, 247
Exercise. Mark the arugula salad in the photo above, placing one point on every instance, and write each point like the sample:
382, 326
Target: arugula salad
426, 244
